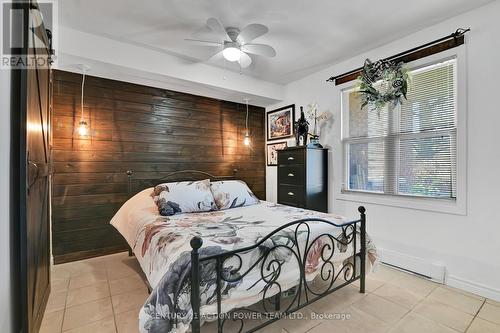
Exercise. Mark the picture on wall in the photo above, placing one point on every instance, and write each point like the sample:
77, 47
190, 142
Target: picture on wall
272, 152
280, 123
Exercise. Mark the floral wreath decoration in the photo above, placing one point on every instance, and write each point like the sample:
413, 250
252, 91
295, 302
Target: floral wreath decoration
394, 77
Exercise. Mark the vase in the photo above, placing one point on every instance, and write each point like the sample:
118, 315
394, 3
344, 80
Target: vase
314, 142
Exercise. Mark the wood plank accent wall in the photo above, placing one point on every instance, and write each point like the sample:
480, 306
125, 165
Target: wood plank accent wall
148, 130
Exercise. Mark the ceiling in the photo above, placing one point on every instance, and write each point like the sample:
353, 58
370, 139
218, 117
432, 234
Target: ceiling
307, 35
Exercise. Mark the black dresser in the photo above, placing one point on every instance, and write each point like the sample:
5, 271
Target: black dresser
303, 178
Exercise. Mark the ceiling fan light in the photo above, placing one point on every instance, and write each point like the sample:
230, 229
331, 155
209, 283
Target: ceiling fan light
231, 53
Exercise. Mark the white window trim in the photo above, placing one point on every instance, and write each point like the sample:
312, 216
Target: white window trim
456, 206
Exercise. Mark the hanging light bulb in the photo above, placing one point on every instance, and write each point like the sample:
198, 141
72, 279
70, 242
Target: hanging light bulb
246, 140
82, 125
82, 128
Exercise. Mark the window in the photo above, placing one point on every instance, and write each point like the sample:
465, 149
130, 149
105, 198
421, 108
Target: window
408, 151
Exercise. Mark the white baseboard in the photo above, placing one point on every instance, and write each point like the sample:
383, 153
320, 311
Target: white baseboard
433, 270
473, 287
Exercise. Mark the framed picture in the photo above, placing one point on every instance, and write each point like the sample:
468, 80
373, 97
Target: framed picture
280, 123
272, 152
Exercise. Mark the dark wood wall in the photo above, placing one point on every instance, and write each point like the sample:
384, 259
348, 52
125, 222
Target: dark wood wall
147, 130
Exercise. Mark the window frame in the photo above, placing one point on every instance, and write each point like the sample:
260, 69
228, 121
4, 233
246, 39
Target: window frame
456, 205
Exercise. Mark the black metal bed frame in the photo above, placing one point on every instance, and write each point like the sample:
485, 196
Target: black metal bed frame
229, 267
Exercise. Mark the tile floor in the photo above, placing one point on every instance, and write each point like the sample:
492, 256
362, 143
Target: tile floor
105, 294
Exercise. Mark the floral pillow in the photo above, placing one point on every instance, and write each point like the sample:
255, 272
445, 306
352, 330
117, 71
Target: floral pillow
184, 197
232, 193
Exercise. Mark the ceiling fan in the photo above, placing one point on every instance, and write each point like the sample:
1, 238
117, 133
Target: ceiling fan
235, 43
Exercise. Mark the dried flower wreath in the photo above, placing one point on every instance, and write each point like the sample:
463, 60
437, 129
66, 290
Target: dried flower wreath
392, 89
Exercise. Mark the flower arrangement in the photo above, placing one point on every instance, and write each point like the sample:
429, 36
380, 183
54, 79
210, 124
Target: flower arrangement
394, 77
312, 114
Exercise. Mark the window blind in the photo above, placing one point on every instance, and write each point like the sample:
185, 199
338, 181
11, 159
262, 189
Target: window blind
409, 150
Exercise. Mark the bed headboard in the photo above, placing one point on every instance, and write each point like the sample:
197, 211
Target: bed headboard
176, 176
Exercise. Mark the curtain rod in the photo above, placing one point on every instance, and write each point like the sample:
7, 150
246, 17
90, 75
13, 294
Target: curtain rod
459, 32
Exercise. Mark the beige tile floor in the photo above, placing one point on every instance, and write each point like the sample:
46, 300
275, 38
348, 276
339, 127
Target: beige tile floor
105, 294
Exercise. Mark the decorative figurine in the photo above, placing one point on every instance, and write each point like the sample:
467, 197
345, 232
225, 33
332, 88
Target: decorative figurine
301, 129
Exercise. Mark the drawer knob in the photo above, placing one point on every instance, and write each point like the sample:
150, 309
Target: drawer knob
291, 193
291, 158
291, 175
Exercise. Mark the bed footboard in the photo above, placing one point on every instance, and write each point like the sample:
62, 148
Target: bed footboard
319, 249
196, 243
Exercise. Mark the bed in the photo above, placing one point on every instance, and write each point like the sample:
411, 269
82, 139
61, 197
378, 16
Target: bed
239, 269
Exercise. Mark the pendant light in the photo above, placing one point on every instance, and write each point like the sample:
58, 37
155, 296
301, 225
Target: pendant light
82, 125
246, 140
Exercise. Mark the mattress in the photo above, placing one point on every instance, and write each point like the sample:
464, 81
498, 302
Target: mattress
161, 245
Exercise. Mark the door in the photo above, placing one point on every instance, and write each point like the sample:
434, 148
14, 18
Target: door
34, 230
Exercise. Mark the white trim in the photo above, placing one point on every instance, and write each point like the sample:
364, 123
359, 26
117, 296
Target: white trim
426, 204
458, 206
473, 287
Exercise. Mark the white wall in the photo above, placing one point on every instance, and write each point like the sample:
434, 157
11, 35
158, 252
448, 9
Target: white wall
468, 245
5, 286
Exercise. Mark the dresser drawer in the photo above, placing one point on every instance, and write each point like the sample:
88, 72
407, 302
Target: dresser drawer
295, 156
291, 195
291, 174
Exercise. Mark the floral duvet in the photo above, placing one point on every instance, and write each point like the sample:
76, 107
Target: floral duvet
161, 245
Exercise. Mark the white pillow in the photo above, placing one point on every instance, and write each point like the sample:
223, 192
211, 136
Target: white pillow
232, 193
184, 197
134, 215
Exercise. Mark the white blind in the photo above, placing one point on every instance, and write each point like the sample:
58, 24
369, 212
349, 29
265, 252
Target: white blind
411, 149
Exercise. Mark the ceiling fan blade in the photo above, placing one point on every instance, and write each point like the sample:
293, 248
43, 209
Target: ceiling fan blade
244, 60
250, 32
203, 42
259, 49
216, 57
217, 27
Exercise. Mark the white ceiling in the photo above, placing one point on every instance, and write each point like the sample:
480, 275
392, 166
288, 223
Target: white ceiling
307, 35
